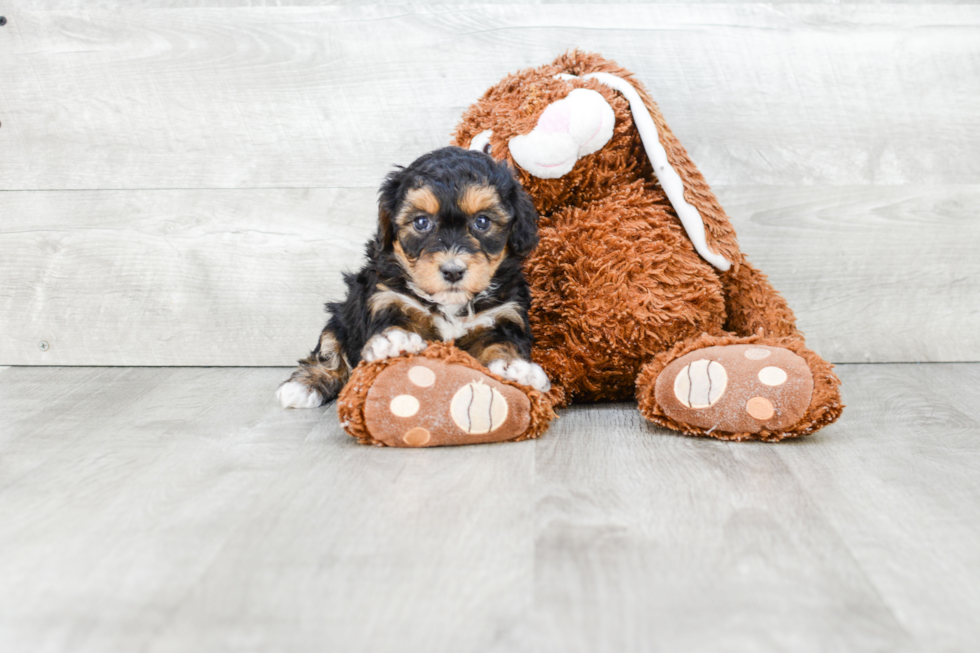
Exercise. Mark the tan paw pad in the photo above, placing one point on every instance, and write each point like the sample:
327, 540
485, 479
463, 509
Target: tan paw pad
760, 408
404, 406
700, 384
772, 376
417, 437
421, 376
757, 353
478, 408
736, 388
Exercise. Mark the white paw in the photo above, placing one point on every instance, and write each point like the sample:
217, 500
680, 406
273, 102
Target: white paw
391, 343
293, 394
523, 372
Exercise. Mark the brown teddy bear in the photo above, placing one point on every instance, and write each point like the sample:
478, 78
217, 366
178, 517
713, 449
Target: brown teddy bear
639, 287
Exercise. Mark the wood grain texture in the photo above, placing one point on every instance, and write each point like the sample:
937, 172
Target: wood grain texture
862, 537
646, 537
48, 5
845, 166
909, 431
875, 274
184, 505
181, 509
331, 96
175, 277
239, 277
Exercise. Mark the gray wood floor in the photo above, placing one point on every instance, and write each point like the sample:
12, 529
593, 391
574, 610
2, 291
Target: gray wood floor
182, 182
179, 509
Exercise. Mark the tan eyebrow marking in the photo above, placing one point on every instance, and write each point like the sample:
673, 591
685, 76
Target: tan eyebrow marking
478, 198
423, 199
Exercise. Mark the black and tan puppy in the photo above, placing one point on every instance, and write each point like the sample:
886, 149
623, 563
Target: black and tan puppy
446, 264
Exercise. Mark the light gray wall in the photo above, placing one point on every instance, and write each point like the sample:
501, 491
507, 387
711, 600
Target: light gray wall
182, 184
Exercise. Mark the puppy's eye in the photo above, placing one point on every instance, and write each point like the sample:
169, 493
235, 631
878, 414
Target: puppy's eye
422, 224
482, 223
487, 149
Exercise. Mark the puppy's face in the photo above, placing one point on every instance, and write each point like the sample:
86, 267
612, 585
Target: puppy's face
453, 220
451, 243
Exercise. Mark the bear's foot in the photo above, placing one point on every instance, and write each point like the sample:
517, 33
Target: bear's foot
439, 397
738, 388
740, 391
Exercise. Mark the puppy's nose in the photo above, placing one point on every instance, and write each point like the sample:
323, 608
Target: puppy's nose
452, 271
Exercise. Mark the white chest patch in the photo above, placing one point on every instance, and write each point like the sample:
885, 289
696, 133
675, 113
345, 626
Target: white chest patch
453, 326
452, 321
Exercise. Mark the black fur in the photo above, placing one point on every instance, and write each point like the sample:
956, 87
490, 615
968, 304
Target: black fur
446, 172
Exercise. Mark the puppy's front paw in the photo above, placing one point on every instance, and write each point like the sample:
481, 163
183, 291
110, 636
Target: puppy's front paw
523, 372
392, 343
293, 394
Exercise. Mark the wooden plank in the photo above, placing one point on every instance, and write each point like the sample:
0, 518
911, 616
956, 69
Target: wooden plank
206, 513
332, 96
49, 5
875, 274
426, 552
238, 277
133, 500
43, 407
862, 537
181, 509
174, 277
897, 480
649, 541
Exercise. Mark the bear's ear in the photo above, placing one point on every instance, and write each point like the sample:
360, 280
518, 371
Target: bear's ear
388, 207
524, 229
672, 183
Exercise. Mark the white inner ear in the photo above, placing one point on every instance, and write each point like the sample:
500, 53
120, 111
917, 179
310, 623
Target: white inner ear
669, 180
481, 142
569, 129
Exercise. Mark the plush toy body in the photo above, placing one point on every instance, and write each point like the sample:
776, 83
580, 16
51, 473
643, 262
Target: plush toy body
639, 288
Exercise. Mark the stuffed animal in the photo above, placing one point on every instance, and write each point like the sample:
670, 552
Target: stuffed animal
440, 396
639, 288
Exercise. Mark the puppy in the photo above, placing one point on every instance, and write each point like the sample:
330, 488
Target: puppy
446, 264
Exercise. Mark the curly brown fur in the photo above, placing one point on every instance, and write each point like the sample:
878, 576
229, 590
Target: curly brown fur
513, 106
608, 297
454, 228
617, 283
753, 304
615, 279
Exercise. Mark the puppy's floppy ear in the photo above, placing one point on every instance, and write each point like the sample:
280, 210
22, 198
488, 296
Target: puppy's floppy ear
388, 207
524, 230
